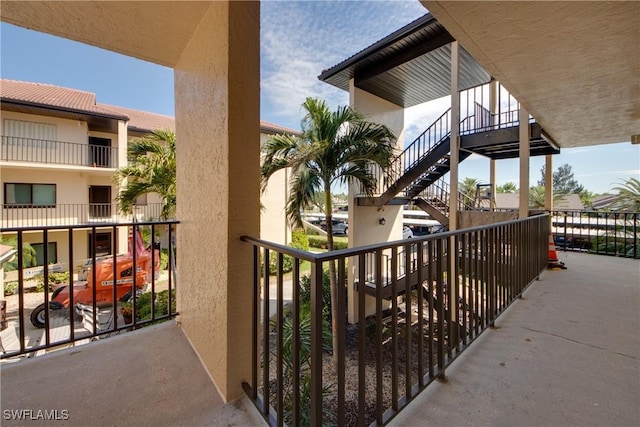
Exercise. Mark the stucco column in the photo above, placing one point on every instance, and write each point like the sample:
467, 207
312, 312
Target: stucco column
523, 117
217, 95
122, 238
364, 221
548, 183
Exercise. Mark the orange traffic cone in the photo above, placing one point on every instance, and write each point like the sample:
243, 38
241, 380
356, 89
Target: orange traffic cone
554, 262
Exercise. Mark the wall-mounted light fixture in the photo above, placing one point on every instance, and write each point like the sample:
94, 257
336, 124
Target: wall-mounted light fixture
382, 221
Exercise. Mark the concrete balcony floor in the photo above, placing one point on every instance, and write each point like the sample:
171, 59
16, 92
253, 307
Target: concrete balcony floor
567, 354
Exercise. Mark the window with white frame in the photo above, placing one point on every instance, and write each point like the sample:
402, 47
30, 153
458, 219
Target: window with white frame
29, 195
29, 134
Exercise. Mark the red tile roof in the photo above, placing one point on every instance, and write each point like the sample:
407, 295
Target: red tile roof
47, 95
266, 127
144, 121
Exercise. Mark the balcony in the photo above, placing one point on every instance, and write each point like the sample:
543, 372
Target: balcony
564, 351
17, 149
73, 214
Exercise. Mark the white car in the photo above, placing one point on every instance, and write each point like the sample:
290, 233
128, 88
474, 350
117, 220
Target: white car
407, 233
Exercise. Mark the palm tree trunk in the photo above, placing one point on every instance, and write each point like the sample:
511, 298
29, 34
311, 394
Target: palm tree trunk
328, 210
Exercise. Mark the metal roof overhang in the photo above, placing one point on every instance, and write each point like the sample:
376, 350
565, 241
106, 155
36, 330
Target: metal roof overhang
409, 67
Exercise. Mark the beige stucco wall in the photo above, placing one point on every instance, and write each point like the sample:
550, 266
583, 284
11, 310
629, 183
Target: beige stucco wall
66, 130
72, 194
364, 227
467, 219
273, 219
217, 120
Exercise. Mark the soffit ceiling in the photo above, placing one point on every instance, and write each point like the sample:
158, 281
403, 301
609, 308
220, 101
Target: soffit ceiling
409, 67
574, 65
154, 31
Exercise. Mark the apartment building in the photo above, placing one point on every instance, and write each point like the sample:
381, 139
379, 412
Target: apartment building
60, 149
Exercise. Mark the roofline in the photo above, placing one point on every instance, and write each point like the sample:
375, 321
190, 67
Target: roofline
266, 127
379, 45
62, 109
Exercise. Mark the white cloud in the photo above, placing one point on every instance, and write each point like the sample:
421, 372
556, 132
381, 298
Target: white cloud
300, 39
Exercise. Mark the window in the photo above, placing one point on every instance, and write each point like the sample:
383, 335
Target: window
29, 134
102, 244
29, 195
52, 253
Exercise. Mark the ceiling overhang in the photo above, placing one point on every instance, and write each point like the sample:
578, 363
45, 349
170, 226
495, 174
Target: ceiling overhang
154, 31
409, 67
575, 66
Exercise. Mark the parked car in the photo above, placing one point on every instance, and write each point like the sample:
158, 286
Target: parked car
407, 232
338, 227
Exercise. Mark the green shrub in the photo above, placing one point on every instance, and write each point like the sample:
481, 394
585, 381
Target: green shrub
287, 263
305, 293
321, 242
54, 279
164, 259
10, 288
143, 305
304, 360
299, 240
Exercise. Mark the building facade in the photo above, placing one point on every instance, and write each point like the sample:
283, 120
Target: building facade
60, 150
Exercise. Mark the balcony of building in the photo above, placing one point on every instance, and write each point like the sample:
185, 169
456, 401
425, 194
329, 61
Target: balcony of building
30, 152
564, 351
74, 214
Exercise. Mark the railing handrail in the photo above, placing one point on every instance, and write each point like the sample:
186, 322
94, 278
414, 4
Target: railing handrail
101, 305
425, 143
58, 141
22, 149
454, 286
350, 252
73, 214
85, 226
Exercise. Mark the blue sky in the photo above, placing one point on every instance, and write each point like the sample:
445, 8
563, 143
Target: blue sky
298, 40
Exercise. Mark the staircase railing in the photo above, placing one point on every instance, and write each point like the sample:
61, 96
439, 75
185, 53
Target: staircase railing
440, 192
415, 152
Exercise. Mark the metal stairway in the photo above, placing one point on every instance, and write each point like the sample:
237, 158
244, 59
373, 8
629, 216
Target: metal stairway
415, 175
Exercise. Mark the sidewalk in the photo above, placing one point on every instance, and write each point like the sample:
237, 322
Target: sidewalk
568, 354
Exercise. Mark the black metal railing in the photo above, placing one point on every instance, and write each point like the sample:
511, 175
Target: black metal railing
73, 214
416, 151
74, 300
20, 149
604, 233
439, 193
436, 295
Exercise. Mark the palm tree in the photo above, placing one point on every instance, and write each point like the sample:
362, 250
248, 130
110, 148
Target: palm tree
507, 187
468, 189
334, 147
151, 169
629, 195
537, 197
